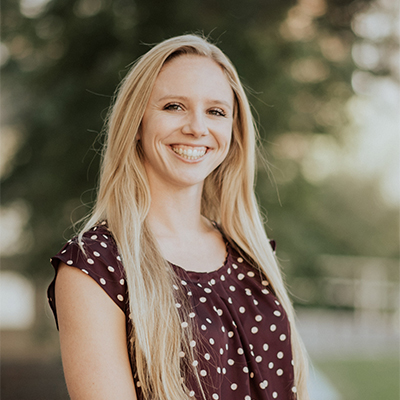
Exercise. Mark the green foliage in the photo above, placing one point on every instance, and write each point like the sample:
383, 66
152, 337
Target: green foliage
66, 61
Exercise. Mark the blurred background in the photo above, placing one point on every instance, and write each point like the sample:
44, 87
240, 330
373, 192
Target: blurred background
323, 79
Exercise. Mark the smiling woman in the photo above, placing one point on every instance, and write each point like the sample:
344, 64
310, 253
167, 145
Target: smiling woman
171, 290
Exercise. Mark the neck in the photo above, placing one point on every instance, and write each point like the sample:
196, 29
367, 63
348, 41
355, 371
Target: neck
176, 211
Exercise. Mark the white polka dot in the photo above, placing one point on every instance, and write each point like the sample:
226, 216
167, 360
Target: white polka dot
90, 261
102, 281
265, 291
192, 343
279, 372
211, 340
240, 350
119, 258
181, 354
215, 396
222, 277
70, 262
192, 315
102, 244
120, 297
86, 272
207, 356
199, 285
247, 397
274, 395
184, 324
277, 313
178, 305
292, 362
252, 353
230, 334
231, 362
248, 292
258, 318
207, 290
264, 384
224, 371
175, 287
189, 293
221, 351
255, 302
94, 237
230, 300
233, 386
208, 320
212, 282
282, 337
258, 359
122, 281
184, 283
203, 299
277, 303
246, 370
203, 327
265, 283
219, 370
240, 260
252, 375
96, 253
271, 365
242, 310
251, 346
232, 288
229, 271
226, 346
254, 330
195, 363
280, 355
63, 252
234, 266
251, 274
203, 372
138, 384
265, 347
272, 328
110, 268
191, 393
294, 389
240, 277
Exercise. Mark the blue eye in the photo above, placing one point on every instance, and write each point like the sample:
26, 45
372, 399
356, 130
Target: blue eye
173, 107
218, 112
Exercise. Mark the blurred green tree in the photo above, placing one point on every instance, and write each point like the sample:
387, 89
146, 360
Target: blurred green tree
64, 59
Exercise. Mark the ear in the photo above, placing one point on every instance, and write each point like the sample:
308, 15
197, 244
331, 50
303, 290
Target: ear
139, 133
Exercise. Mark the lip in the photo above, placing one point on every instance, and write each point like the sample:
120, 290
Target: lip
176, 145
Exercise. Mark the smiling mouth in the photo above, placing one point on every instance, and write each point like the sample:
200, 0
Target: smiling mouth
188, 152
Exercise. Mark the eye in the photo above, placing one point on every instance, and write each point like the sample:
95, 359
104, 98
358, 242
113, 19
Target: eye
173, 107
219, 112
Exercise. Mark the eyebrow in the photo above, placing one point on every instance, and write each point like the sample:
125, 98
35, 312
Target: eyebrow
178, 97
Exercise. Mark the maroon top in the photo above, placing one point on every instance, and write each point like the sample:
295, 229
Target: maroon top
244, 351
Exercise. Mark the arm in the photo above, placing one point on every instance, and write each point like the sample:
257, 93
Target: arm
92, 338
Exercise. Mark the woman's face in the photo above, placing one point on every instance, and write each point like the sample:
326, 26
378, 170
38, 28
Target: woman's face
187, 125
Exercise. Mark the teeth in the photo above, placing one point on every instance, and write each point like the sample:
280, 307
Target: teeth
190, 153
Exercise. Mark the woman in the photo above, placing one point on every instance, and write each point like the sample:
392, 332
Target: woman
180, 296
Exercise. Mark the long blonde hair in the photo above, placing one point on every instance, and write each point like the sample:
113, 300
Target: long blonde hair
228, 198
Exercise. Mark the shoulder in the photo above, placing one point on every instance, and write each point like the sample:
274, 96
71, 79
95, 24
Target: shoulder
97, 256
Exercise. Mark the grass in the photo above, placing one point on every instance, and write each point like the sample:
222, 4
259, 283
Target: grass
369, 379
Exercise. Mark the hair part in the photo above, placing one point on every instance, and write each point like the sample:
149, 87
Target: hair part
228, 198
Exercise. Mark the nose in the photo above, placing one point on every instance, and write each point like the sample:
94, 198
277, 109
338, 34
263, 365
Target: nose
195, 124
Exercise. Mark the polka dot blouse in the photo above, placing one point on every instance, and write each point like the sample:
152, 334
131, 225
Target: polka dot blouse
243, 349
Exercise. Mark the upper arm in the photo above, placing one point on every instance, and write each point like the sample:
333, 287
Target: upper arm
92, 338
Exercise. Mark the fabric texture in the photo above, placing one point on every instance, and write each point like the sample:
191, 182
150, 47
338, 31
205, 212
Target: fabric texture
243, 349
